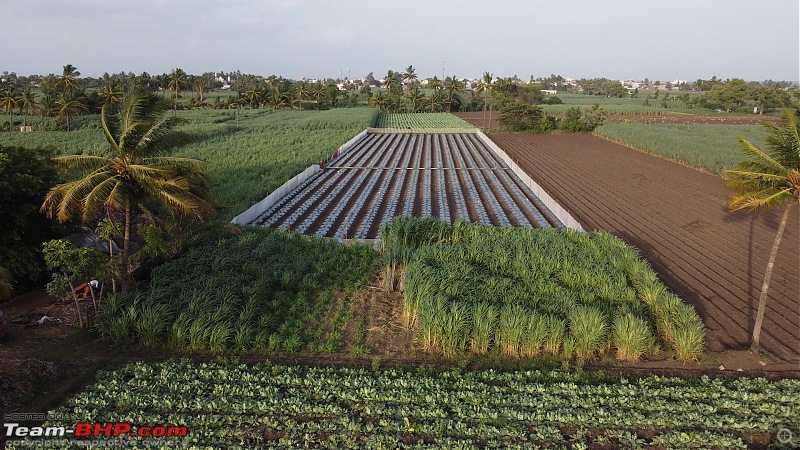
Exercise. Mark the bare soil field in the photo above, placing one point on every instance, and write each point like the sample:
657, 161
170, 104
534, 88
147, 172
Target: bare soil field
482, 119
677, 217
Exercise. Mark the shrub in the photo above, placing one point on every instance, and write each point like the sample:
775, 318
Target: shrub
524, 117
577, 120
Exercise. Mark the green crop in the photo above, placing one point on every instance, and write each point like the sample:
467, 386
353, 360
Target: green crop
236, 405
523, 291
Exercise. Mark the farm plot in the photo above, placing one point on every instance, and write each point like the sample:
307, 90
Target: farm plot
235, 405
449, 176
677, 217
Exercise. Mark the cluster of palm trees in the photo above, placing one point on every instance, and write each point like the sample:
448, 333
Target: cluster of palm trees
404, 93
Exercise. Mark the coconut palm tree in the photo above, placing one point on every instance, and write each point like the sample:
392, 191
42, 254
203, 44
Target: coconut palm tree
410, 76
766, 180
486, 88
69, 106
112, 93
135, 173
178, 80
70, 81
9, 101
28, 103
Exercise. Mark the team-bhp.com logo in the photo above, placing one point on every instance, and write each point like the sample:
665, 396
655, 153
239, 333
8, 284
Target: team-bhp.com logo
95, 429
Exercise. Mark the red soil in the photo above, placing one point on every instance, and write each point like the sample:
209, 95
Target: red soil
677, 217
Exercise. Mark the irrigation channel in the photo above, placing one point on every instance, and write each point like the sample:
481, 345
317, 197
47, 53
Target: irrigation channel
447, 175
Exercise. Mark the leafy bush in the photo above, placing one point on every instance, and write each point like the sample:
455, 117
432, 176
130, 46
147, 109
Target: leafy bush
554, 100
524, 117
578, 120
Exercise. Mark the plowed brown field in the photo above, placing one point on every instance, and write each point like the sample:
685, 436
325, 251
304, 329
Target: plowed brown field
677, 217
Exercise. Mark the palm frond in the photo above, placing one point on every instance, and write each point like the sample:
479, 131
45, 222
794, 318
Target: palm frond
80, 162
109, 122
162, 136
98, 199
760, 158
190, 164
765, 199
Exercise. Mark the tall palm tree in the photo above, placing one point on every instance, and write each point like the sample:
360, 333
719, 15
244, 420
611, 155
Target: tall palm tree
178, 80
70, 81
9, 101
68, 106
28, 103
766, 180
486, 88
410, 75
415, 98
135, 173
453, 87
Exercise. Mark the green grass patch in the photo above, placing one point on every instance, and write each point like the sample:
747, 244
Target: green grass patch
249, 152
524, 291
245, 294
710, 147
230, 405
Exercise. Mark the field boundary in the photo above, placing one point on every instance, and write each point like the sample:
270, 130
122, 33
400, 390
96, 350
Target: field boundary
256, 210
562, 214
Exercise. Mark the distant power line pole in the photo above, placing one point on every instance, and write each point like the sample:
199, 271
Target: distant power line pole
442, 70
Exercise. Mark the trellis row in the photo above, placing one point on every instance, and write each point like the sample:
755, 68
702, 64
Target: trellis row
378, 175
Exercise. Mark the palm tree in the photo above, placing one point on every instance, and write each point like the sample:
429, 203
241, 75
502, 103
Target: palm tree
112, 93
410, 75
68, 106
28, 103
766, 180
177, 82
381, 100
486, 87
453, 87
69, 80
135, 174
253, 96
9, 101
415, 98
319, 93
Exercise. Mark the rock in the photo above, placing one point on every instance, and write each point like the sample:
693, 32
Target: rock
763, 363
721, 367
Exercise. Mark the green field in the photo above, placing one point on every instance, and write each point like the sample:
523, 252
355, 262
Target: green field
235, 405
627, 105
710, 147
249, 153
422, 121
254, 293
524, 292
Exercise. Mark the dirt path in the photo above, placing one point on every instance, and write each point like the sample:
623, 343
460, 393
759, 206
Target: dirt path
678, 218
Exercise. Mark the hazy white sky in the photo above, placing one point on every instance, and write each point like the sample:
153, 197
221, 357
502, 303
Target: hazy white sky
660, 40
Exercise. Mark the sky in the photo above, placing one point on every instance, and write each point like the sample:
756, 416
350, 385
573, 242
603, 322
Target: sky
618, 39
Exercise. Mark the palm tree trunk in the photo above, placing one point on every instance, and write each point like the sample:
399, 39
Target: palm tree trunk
126, 241
762, 300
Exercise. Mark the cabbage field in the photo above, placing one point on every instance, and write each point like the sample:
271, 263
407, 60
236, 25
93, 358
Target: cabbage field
236, 405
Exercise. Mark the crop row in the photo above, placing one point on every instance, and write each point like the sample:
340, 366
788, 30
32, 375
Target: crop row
233, 405
245, 294
422, 121
446, 175
525, 291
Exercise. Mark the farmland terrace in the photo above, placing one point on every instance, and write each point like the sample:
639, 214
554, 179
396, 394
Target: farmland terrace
449, 176
677, 217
